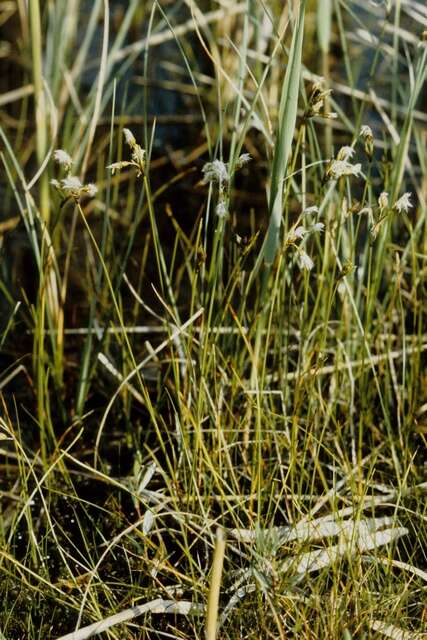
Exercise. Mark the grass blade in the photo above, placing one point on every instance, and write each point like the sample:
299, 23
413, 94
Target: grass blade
285, 135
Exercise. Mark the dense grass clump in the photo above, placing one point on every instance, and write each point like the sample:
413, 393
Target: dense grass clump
213, 339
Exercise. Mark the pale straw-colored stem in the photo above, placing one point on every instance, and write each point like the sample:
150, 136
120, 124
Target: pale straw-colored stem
40, 103
215, 586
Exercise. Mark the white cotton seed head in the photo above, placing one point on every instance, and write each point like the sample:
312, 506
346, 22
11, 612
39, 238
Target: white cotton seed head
345, 153
63, 158
341, 288
404, 203
309, 211
339, 168
221, 209
244, 159
318, 227
129, 137
299, 232
117, 166
215, 171
91, 189
366, 131
306, 262
138, 156
71, 183
383, 201
72, 186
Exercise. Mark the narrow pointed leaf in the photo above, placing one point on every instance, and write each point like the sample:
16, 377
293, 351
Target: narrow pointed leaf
285, 135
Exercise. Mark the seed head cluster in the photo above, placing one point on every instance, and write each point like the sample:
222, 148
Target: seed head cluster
219, 173
71, 186
137, 156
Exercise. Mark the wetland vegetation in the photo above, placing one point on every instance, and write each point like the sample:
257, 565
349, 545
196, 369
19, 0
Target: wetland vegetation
213, 254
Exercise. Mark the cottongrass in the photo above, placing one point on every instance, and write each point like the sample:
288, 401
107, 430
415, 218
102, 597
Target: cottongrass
404, 203
383, 201
72, 186
63, 158
366, 131
311, 211
279, 410
221, 209
215, 171
342, 168
305, 261
219, 172
137, 154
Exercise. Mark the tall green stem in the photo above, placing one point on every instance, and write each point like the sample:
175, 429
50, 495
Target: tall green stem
40, 102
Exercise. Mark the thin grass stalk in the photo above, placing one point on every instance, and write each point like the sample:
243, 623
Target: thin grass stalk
345, 50
324, 22
97, 104
235, 138
49, 285
22, 10
395, 71
164, 277
255, 11
112, 291
82, 53
118, 311
102, 94
401, 157
48, 301
285, 135
41, 111
61, 30
215, 586
85, 368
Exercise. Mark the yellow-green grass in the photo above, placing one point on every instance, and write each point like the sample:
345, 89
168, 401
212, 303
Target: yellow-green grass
213, 404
